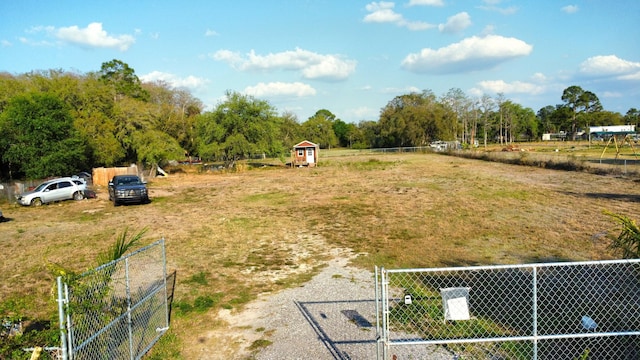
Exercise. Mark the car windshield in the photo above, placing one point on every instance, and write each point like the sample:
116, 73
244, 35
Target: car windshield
133, 180
41, 186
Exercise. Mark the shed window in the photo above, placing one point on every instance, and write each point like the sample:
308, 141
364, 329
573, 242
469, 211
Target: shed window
300, 152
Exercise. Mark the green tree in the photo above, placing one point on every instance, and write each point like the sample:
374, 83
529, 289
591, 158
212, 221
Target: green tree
154, 147
176, 111
562, 118
290, 130
96, 121
460, 104
632, 117
130, 117
580, 102
39, 139
544, 116
239, 127
603, 118
10, 86
369, 135
415, 119
341, 129
123, 80
319, 129
500, 118
486, 105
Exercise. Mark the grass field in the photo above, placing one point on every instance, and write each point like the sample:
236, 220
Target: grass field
231, 236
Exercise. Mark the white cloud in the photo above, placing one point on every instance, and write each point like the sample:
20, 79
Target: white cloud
570, 9
5, 43
94, 36
633, 77
280, 89
611, 65
227, 56
488, 30
210, 32
312, 65
456, 23
30, 42
426, 2
404, 90
40, 28
363, 113
189, 82
500, 86
539, 77
382, 12
492, 5
330, 67
612, 94
474, 53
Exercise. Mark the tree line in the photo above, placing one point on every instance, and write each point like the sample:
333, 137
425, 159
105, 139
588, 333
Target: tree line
58, 123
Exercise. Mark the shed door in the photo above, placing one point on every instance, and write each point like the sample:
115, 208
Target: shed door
310, 157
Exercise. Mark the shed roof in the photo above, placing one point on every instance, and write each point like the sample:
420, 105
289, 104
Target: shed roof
305, 144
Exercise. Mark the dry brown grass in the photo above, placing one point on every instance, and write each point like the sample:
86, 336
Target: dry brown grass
232, 236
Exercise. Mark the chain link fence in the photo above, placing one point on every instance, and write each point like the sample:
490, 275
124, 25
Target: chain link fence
583, 310
116, 311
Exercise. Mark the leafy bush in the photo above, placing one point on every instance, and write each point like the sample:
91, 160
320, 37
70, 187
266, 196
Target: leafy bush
627, 243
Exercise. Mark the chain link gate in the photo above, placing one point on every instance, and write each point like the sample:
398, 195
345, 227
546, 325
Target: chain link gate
118, 310
579, 310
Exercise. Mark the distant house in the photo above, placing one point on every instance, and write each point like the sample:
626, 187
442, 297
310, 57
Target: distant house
305, 154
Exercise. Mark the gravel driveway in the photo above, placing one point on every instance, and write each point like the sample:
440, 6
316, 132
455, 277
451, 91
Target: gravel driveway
330, 317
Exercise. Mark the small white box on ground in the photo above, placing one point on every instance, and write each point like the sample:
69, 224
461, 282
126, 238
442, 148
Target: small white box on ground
456, 303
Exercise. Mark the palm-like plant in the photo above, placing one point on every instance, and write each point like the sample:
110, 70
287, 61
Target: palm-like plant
628, 241
121, 246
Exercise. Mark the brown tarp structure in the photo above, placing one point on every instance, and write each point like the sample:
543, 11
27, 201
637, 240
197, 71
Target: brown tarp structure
101, 176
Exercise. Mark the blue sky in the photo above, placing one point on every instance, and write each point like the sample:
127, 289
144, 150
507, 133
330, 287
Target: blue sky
349, 57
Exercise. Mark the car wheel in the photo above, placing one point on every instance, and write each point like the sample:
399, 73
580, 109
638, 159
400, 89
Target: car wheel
36, 202
115, 202
78, 196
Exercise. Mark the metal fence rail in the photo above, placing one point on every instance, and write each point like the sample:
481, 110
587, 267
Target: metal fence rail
117, 311
581, 310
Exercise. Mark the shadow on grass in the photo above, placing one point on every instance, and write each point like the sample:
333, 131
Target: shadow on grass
606, 196
171, 286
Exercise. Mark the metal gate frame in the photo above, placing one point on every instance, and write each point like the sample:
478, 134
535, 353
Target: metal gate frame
619, 278
120, 307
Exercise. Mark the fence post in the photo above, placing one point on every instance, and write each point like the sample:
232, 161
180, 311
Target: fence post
70, 345
128, 294
61, 317
377, 290
535, 312
164, 276
385, 312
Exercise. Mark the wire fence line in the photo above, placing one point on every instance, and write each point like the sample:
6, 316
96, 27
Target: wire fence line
580, 310
118, 310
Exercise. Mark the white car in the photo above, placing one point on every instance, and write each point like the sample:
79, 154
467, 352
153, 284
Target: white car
54, 190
